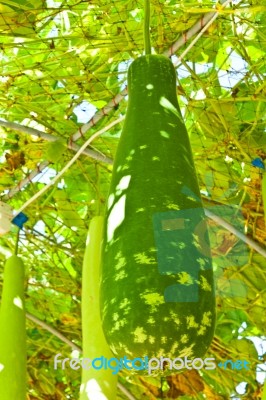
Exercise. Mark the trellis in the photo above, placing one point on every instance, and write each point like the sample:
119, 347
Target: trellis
194, 18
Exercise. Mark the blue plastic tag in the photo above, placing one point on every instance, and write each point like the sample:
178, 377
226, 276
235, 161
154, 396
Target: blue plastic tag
20, 220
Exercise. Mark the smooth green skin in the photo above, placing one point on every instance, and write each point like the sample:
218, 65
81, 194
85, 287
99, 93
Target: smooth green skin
96, 384
154, 153
13, 354
263, 189
264, 392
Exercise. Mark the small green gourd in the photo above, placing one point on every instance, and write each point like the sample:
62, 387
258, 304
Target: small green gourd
13, 356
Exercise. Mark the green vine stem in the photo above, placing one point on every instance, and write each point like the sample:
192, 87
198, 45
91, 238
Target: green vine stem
147, 40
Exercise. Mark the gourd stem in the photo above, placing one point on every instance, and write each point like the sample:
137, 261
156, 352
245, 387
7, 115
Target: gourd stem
17, 243
147, 40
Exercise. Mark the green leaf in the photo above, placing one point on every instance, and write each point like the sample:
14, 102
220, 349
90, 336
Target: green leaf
67, 211
55, 150
222, 59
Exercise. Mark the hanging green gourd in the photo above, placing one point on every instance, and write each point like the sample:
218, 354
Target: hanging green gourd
95, 383
13, 354
157, 289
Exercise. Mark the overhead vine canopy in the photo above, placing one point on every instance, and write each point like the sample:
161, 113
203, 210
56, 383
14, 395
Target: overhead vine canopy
63, 68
